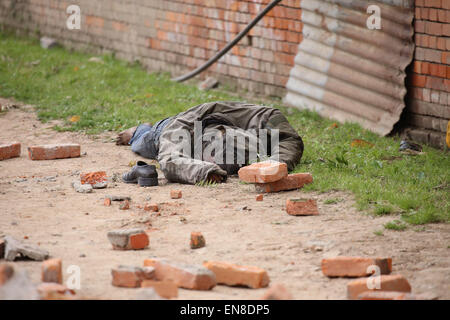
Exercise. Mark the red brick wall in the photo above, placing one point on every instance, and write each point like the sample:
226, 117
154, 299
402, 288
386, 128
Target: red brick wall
428, 110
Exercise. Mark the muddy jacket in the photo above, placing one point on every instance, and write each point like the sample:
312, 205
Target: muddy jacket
192, 160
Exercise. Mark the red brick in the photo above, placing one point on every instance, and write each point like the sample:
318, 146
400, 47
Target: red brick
301, 207
51, 291
6, 272
433, 3
354, 266
95, 21
387, 283
277, 292
107, 202
259, 197
125, 205
153, 207
394, 295
291, 182
263, 172
166, 289
139, 241
52, 271
131, 277
128, 239
54, 151
418, 80
184, 275
93, 178
446, 57
197, 240
234, 275
8, 151
176, 194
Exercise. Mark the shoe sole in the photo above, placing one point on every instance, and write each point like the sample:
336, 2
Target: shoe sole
147, 182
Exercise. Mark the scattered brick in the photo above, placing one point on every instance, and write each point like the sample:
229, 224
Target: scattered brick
52, 271
15, 249
6, 273
197, 240
354, 266
387, 283
259, 197
234, 275
54, 151
93, 178
10, 150
107, 202
125, 205
176, 194
153, 207
394, 295
291, 182
301, 207
183, 275
131, 277
166, 289
128, 239
263, 172
277, 292
52, 291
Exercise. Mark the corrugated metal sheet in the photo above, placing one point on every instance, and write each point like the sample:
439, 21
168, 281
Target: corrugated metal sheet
347, 72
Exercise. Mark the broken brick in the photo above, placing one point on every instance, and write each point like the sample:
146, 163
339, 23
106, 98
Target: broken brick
6, 272
15, 249
301, 207
153, 207
386, 283
197, 240
131, 277
263, 172
176, 194
355, 266
183, 275
10, 150
291, 182
50, 291
54, 151
166, 289
277, 292
107, 202
259, 197
234, 275
93, 178
52, 271
125, 205
394, 295
128, 239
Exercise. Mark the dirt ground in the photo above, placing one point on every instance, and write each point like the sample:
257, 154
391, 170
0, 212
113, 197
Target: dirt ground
37, 202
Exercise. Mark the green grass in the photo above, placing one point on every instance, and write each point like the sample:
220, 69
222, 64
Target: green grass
396, 225
116, 95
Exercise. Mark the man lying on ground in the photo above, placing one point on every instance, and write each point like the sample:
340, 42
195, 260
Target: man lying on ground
213, 140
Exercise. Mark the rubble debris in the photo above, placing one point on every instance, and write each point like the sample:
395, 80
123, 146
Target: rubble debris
165, 288
10, 150
128, 239
52, 271
208, 84
197, 240
355, 266
15, 248
107, 202
394, 295
259, 197
6, 272
148, 294
387, 283
48, 43
19, 287
131, 277
54, 151
184, 275
301, 207
81, 188
291, 182
153, 207
234, 275
97, 180
277, 292
176, 194
54, 291
263, 172
125, 205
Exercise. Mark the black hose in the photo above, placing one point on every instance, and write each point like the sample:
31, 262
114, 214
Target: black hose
230, 45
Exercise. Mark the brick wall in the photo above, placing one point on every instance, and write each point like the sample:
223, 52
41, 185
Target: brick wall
428, 109
180, 35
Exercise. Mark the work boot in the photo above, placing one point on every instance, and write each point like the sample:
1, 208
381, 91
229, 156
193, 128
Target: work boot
143, 174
